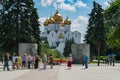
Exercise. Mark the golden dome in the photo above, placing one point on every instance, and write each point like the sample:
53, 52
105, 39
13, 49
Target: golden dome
67, 21
51, 20
46, 22
57, 16
62, 24
61, 36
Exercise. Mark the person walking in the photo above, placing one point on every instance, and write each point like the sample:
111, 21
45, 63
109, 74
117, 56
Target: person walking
51, 61
37, 59
44, 60
113, 60
24, 61
28, 59
70, 59
19, 61
6, 62
14, 61
33, 61
86, 61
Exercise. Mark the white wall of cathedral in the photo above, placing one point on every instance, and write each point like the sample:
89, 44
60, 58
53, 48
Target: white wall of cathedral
77, 37
58, 33
62, 28
57, 26
61, 40
46, 28
67, 27
52, 38
60, 47
51, 27
68, 35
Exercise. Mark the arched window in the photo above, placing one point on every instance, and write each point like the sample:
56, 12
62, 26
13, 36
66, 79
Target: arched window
52, 34
75, 35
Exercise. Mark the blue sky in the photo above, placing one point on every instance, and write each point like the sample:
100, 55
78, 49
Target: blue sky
77, 11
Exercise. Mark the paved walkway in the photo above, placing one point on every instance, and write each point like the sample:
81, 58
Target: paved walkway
103, 72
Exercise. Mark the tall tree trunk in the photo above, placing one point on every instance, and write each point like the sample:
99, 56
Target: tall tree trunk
98, 54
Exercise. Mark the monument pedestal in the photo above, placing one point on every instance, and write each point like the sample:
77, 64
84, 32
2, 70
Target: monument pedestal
78, 51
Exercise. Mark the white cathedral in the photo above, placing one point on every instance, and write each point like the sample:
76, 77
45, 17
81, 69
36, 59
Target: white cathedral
57, 31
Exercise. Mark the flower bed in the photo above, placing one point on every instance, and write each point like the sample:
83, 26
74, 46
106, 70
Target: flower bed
60, 60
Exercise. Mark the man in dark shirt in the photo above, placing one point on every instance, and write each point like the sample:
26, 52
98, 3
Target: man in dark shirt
86, 61
6, 64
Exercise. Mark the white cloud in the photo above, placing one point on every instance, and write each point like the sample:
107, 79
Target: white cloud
41, 20
79, 4
80, 24
55, 5
106, 4
50, 2
67, 7
63, 5
46, 2
60, 1
71, 1
71, 7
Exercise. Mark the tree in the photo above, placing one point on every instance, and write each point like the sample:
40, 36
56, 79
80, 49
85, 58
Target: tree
56, 54
46, 49
67, 49
112, 25
35, 24
20, 25
96, 31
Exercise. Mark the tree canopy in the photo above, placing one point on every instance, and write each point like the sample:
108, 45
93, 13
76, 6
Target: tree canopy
67, 49
96, 31
112, 24
19, 24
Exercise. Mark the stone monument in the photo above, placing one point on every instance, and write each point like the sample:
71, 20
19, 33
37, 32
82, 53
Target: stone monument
30, 48
78, 51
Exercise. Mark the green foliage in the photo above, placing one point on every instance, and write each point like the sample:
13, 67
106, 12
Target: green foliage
112, 24
96, 31
19, 25
46, 49
55, 53
67, 49
103, 57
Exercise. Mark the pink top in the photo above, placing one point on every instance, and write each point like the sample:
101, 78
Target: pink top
33, 59
28, 58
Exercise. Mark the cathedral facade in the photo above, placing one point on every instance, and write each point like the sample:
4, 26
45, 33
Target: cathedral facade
57, 32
